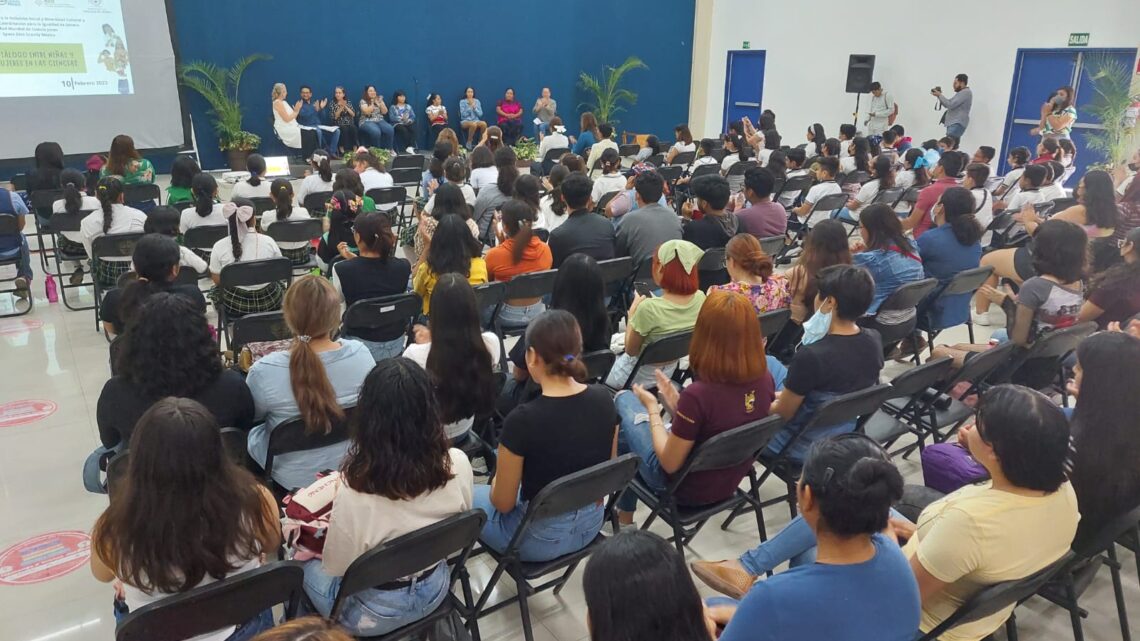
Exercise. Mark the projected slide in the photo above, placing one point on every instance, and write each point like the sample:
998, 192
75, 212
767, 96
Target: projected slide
63, 48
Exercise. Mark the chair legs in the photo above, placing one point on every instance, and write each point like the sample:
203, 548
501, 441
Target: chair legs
1118, 591
524, 609
1074, 610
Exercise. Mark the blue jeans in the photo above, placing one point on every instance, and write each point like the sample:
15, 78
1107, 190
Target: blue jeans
795, 544
1000, 335
383, 349
244, 632
634, 436
546, 539
374, 612
512, 317
541, 128
623, 365
957, 130
329, 140
92, 475
778, 371
24, 255
377, 134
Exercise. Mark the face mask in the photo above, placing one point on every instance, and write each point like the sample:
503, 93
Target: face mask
816, 327
1134, 166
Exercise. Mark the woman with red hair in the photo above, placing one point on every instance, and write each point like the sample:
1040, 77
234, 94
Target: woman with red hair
651, 318
733, 387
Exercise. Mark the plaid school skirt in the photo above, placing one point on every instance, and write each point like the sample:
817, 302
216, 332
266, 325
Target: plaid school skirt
239, 302
69, 247
107, 272
298, 256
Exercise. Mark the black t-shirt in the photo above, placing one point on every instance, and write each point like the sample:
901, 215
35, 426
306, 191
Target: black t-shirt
363, 278
709, 232
560, 436
584, 232
836, 364
110, 310
121, 405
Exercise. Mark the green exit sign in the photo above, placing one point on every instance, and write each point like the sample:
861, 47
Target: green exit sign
747, 45
1078, 39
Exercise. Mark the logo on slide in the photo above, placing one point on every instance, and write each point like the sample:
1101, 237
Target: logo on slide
9, 3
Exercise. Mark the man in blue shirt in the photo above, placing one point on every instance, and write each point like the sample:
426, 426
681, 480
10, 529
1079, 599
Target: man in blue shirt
309, 116
16, 244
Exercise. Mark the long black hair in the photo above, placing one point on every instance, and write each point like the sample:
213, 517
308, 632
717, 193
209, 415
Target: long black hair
154, 260
862, 154
884, 229
884, 167
73, 183
182, 172
204, 188
580, 289
505, 161
459, 363
449, 199
320, 161
853, 482
528, 189
1123, 273
558, 173
622, 572
1099, 199
256, 166
818, 137
109, 191
168, 324
921, 174
281, 190
958, 208
452, 247
439, 155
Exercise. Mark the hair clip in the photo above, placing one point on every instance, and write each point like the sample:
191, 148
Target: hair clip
304, 338
568, 358
827, 476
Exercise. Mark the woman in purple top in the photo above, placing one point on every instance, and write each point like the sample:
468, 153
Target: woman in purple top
510, 117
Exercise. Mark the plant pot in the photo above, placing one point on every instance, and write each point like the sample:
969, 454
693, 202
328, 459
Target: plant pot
523, 164
237, 158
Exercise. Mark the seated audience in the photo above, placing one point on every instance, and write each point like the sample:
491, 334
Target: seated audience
519, 251
611, 179
945, 176
551, 207
750, 271
126, 163
403, 119
1114, 295
604, 142
281, 191
483, 169
948, 249
458, 356
622, 571
492, 196
914, 172
165, 220
890, 258
182, 172
373, 173
255, 186
649, 148
836, 357
452, 251
583, 231
815, 139
510, 113
399, 476
449, 198
309, 117
825, 171
588, 134
1028, 191
347, 179
243, 243
674, 268
48, 169
984, 155
824, 246
492, 139
555, 138
471, 117
735, 151
185, 516
454, 173
762, 218
714, 226
343, 116
206, 209
882, 178
1017, 159
112, 217
858, 156
732, 387
338, 242
569, 428
645, 228
626, 199
157, 260
975, 182
373, 273
432, 177
845, 493
1047, 151
75, 200
315, 380
1052, 189
437, 117
684, 143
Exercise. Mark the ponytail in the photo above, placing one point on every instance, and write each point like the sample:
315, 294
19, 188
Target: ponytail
282, 192
324, 168
256, 166
556, 339
235, 240
312, 310
518, 217
71, 181
203, 188
557, 175
109, 191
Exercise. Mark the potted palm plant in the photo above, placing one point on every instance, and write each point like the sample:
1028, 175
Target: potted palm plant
219, 86
606, 94
1116, 93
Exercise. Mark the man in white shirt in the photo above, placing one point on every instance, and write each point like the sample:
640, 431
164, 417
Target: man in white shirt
880, 111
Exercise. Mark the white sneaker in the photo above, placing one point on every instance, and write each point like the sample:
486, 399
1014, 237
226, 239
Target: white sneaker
410, 150
984, 320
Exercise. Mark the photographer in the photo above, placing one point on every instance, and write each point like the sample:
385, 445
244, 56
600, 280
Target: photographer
1058, 115
957, 116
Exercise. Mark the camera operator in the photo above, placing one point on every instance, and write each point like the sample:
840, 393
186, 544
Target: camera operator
957, 116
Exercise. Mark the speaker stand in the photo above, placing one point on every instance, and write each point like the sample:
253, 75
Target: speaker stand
855, 116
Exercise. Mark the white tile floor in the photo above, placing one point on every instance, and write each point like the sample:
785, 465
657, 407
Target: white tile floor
56, 355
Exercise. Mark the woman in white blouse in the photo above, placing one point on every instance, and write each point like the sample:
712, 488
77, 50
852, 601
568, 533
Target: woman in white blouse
554, 139
255, 186
285, 118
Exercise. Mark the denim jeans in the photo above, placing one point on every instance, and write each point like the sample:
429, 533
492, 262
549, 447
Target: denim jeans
383, 349
541, 128
512, 317
24, 266
329, 140
377, 134
645, 376
92, 475
795, 544
546, 539
957, 130
244, 632
778, 371
376, 612
634, 436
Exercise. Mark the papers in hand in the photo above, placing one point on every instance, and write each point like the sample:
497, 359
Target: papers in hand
327, 128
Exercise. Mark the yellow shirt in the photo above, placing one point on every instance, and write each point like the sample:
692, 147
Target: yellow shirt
423, 283
979, 536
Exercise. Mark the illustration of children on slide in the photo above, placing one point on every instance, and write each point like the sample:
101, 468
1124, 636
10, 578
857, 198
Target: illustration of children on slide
116, 61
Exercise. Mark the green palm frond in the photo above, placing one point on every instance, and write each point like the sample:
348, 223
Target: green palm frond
1115, 88
606, 95
219, 87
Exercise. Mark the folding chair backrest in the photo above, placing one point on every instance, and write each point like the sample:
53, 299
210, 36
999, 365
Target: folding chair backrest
968, 281
909, 295
395, 311
605, 200
711, 269
910, 196
917, 380
855, 177
739, 168
407, 175
628, 151
408, 161
141, 192
684, 158
44, 199
290, 436
388, 195
256, 272
257, 328
490, 295
663, 146
795, 185
230, 602
552, 155
731, 448
598, 364
995, 598
531, 285
411, 553
295, 231
849, 407
772, 246
772, 322
616, 270
582, 488
718, 153
1059, 343
888, 196
9, 226
1108, 534
115, 245
657, 159
662, 350
261, 204
705, 170
204, 236
982, 365
316, 201
829, 203
63, 221
670, 173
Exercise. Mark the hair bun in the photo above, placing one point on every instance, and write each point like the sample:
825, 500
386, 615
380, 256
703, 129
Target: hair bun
874, 478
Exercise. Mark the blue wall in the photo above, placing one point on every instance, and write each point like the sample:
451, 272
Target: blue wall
441, 47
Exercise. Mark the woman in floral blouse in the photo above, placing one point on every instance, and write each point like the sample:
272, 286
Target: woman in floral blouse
751, 272
344, 116
127, 163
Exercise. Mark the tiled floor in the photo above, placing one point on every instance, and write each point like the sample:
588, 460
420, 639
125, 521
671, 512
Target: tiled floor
56, 355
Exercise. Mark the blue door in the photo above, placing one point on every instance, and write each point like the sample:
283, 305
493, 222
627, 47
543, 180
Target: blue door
743, 86
1037, 74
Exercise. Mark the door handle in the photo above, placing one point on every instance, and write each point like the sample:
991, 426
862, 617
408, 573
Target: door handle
746, 104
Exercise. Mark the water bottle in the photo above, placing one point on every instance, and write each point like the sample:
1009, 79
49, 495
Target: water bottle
50, 289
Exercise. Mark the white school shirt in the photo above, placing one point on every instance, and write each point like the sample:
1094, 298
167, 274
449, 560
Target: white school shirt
607, 183
1052, 191
789, 199
484, 176
728, 162
254, 246
821, 190
550, 221
188, 259
764, 155
703, 160
983, 207
312, 184
124, 220
683, 147
1023, 198
550, 141
245, 190
847, 164
191, 219
299, 213
866, 195
86, 203
468, 195
418, 353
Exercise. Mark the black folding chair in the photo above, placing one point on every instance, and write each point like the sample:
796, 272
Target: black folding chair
798, 185
772, 322
1072, 580
42, 202
490, 295
996, 598
418, 552
598, 365
657, 160
409, 161
890, 423
663, 146
315, 203
389, 317
261, 204
888, 196
718, 154
292, 436
684, 159
827, 205
909, 198
705, 170
740, 446
629, 151
1042, 366
569, 493
258, 328
902, 304
965, 282
670, 174
854, 178
10, 226
666, 349
142, 196
229, 602
740, 168
407, 176
384, 196
772, 246
106, 247
600, 207
552, 156
201, 239
711, 269
618, 275
855, 406
524, 286
296, 231
250, 273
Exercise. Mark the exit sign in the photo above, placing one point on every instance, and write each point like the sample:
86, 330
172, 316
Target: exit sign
747, 45
1078, 39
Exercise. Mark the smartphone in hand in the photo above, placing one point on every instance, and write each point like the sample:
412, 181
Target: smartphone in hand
643, 288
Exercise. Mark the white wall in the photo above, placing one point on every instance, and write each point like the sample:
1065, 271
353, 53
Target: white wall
917, 45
